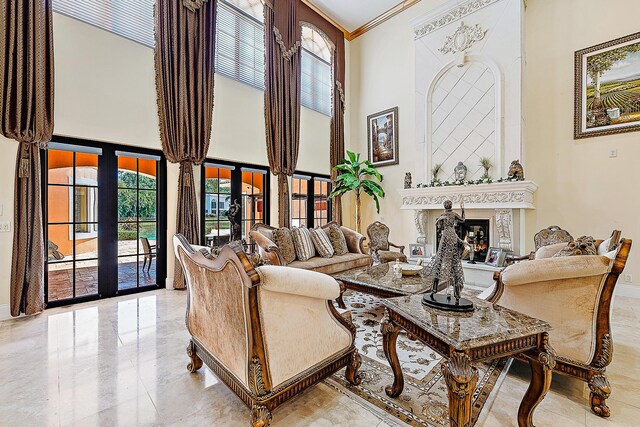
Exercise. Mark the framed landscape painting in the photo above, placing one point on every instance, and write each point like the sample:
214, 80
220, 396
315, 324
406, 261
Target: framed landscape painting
382, 137
607, 99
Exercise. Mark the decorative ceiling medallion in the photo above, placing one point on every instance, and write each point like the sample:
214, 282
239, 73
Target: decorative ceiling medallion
451, 16
193, 5
464, 37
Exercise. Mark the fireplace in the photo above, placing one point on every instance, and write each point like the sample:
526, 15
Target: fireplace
475, 232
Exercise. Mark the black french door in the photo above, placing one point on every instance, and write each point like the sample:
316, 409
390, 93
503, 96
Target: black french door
104, 215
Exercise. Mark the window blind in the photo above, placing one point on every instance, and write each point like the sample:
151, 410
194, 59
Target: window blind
239, 46
316, 83
130, 19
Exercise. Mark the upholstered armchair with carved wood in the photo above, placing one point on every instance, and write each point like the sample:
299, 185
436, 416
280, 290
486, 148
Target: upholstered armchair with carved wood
573, 294
267, 332
379, 244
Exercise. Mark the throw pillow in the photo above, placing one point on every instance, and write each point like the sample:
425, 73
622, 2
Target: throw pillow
584, 245
321, 242
284, 241
303, 243
336, 236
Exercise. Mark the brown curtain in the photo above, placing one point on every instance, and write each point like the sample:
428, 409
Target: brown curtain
282, 95
184, 62
336, 36
26, 115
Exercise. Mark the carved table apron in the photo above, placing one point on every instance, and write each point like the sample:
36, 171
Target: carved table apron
530, 342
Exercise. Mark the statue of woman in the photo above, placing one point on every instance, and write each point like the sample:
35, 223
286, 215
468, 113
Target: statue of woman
446, 268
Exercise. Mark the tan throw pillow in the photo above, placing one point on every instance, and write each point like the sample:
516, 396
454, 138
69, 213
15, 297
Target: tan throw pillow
336, 236
284, 241
322, 243
584, 245
302, 243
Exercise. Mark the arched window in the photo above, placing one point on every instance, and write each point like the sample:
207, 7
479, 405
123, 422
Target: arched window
240, 41
316, 70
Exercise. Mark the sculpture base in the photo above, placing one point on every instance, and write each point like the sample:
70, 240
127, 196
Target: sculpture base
447, 303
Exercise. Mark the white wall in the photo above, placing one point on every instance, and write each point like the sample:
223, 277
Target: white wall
105, 91
581, 188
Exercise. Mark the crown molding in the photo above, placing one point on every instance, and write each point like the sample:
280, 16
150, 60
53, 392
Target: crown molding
446, 14
401, 7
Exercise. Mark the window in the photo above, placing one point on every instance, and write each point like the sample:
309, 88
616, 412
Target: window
130, 19
310, 204
228, 184
240, 41
316, 71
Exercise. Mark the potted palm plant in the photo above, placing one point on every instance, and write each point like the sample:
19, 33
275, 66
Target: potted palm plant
354, 176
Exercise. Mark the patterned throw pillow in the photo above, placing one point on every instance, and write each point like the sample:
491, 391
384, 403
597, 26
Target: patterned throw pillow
336, 236
284, 241
321, 242
584, 245
303, 243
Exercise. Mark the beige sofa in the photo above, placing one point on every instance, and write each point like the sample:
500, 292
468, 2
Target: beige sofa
267, 332
573, 294
263, 236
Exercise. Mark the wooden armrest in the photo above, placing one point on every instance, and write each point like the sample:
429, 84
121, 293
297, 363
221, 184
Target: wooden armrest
512, 259
401, 247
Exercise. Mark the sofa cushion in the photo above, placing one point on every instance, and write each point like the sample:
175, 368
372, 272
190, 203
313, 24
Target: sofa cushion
302, 243
283, 239
337, 238
321, 242
335, 264
584, 245
549, 250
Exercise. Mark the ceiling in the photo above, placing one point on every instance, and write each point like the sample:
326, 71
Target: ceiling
352, 14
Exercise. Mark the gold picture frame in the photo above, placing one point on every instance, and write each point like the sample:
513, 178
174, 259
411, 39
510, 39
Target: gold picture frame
382, 138
607, 88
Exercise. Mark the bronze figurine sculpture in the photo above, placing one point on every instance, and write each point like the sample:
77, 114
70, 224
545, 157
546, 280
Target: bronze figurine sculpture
446, 268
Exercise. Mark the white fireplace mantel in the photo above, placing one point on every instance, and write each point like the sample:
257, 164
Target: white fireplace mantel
497, 195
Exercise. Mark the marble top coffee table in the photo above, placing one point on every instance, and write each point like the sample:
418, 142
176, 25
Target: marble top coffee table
378, 280
490, 332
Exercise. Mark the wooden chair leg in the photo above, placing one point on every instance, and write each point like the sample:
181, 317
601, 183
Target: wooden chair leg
260, 416
196, 362
600, 391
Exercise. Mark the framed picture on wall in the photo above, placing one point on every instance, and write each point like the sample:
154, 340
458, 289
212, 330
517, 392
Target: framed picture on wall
382, 137
607, 92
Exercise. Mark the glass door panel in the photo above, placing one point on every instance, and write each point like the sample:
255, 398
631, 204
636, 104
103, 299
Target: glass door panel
299, 201
253, 186
72, 224
217, 199
137, 222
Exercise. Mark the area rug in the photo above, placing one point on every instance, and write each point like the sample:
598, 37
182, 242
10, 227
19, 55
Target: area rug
424, 400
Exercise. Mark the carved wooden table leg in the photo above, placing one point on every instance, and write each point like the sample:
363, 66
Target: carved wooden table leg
196, 362
339, 300
389, 338
461, 379
542, 363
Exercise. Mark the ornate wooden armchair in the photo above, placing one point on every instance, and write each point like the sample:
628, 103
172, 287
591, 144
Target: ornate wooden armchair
573, 294
267, 332
551, 235
379, 244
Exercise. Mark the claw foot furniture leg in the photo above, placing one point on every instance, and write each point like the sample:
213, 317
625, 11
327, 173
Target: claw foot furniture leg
600, 391
461, 379
542, 363
352, 369
196, 362
260, 416
389, 338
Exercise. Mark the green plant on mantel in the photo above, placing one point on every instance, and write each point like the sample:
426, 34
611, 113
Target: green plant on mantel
354, 176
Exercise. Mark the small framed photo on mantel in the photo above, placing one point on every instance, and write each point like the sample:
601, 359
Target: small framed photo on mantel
495, 257
382, 137
417, 251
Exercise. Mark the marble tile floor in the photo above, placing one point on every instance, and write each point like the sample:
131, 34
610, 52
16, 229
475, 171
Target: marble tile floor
122, 362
